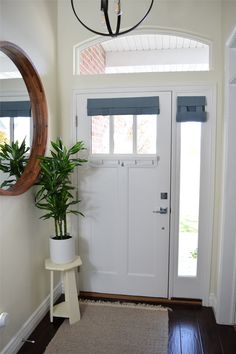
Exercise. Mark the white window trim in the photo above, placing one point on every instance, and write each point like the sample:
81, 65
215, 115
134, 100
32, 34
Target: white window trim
175, 89
226, 288
207, 187
78, 48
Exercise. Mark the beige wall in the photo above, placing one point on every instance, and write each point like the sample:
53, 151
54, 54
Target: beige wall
226, 273
211, 20
24, 284
165, 15
228, 18
32, 25
198, 18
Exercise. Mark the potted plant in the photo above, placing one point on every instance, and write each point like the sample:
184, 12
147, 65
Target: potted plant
56, 198
13, 159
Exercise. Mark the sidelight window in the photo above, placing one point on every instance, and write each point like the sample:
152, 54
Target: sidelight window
189, 198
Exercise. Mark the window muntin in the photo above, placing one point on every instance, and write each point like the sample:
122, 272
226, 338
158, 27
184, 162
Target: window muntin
124, 134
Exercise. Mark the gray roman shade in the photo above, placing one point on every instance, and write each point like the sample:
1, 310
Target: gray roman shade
191, 109
15, 109
123, 106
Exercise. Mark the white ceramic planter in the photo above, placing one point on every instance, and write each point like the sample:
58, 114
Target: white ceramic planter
62, 251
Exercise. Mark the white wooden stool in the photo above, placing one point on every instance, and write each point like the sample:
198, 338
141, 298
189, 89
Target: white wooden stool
70, 307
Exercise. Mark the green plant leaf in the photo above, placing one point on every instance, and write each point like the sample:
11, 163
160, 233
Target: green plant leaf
55, 187
13, 159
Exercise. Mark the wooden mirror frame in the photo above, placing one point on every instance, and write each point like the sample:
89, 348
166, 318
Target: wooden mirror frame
39, 116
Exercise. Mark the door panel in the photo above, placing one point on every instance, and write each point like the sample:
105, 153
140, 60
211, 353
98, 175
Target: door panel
124, 241
99, 229
148, 232
142, 236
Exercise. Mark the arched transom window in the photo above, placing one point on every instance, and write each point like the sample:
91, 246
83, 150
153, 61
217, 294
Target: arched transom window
142, 53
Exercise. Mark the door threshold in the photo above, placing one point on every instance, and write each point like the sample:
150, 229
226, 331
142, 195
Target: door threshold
143, 299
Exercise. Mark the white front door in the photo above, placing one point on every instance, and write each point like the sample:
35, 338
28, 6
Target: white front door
124, 236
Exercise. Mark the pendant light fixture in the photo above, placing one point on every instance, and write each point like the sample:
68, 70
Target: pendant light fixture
118, 12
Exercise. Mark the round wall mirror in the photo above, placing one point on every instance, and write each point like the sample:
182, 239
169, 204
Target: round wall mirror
23, 120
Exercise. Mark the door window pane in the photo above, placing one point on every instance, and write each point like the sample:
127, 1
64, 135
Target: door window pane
100, 135
4, 130
146, 134
189, 198
22, 129
123, 134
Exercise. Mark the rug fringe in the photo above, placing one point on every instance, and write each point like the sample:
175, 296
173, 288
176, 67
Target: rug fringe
126, 304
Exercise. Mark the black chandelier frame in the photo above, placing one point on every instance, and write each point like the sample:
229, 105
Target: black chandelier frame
104, 8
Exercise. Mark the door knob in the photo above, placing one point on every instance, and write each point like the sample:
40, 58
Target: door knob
161, 211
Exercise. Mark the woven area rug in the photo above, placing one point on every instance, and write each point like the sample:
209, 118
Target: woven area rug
107, 328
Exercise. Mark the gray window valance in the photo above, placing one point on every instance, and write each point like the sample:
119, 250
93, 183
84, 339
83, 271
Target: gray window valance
191, 109
123, 106
15, 109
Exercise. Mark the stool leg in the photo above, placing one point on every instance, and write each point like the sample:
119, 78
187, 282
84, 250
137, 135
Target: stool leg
51, 295
71, 296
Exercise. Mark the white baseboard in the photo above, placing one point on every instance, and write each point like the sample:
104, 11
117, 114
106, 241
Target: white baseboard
213, 302
16, 342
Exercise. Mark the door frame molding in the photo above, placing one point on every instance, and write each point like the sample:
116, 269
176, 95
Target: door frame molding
173, 246
226, 281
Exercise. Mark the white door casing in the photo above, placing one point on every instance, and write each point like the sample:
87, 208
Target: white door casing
197, 287
226, 285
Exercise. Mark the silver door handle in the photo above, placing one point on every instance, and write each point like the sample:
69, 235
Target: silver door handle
161, 211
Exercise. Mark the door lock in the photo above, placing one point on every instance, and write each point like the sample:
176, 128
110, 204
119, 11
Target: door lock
161, 211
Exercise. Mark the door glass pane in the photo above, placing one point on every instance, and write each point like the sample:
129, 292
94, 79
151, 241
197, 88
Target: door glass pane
146, 134
4, 130
22, 129
100, 135
189, 198
123, 134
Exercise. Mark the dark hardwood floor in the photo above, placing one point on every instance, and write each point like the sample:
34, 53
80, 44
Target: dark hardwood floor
192, 330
